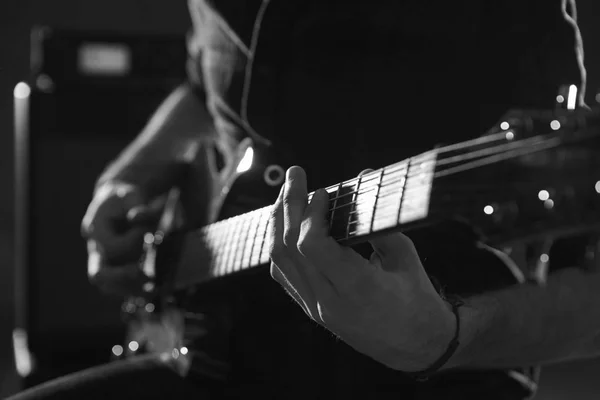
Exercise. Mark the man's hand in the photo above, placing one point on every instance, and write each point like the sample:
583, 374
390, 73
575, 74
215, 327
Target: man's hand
385, 307
114, 226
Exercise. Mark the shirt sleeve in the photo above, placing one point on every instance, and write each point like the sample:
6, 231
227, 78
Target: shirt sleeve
552, 55
195, 45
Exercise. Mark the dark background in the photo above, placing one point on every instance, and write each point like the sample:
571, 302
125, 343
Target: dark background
574, 381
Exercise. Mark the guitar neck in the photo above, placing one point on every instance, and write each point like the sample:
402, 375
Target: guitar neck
390, 197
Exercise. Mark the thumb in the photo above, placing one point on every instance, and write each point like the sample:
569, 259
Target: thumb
395, 252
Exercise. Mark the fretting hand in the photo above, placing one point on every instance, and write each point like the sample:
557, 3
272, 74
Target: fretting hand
385, 307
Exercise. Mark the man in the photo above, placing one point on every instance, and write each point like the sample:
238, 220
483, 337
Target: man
336, 86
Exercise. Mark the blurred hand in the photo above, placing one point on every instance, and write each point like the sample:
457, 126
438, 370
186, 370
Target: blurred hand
385, 307
114, 226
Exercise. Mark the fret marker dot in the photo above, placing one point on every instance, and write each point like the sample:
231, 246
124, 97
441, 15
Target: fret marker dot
597, 187
555, 125
489, 210
509, 135
544, 258
504, 126
543, 195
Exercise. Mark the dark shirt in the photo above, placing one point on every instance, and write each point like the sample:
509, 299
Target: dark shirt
344, 86
340, 86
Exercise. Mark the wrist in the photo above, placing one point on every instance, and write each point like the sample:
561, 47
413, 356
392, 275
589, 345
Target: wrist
475, 317
443, 348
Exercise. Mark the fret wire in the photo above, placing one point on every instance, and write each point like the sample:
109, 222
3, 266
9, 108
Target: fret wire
339, 188
381, 213
260, 230
245, 237
266, 218
225, 248
231, 243
363, 199
229, 246
402, 197
220, 249
436, 152
386, 185
235, 241
376, 199
381, 206
412, 170
256, 226
354, 206
382, 199
215, 248
265, 232
241, 245
347, 194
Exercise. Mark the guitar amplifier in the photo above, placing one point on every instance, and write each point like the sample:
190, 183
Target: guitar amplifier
88, 96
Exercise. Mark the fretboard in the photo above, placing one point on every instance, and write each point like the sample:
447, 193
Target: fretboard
390, 197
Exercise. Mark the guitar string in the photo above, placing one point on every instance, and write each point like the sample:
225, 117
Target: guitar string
440, 161
519, 151
375, 174
233, 247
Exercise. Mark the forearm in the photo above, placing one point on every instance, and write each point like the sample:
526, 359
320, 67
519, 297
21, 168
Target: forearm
166, 145
530, 325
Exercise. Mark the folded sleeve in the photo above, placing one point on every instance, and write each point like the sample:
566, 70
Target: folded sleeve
195, 47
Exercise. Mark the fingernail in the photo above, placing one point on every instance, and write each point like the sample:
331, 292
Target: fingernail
291, 173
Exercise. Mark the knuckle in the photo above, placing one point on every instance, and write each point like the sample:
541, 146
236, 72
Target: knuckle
292, 202
306, 245
290, 236
307, 242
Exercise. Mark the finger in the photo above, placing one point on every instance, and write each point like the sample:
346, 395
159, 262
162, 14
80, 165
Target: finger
121, 248
275, 228
120, 241
321, 250
314, 235
395, 252
279, 253
278, 276
295, 198
115, 280
286, 272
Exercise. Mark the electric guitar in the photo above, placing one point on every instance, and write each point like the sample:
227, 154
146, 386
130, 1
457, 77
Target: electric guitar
534, 178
